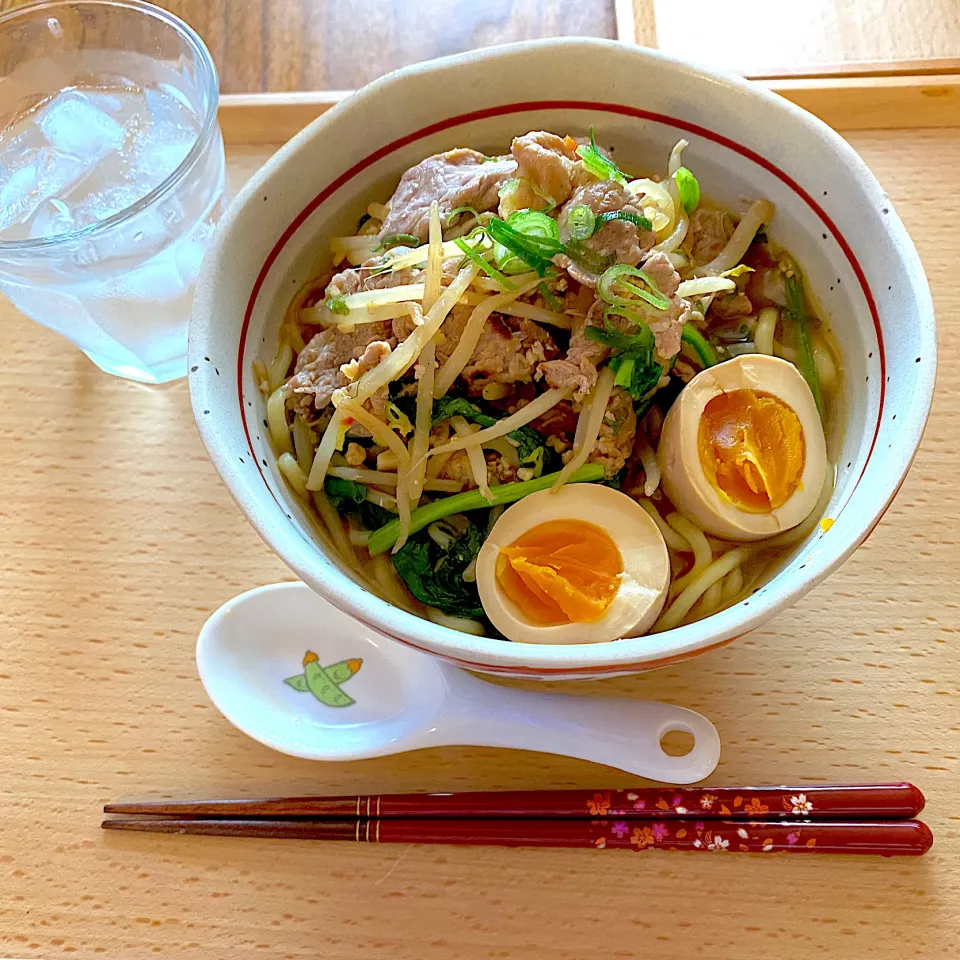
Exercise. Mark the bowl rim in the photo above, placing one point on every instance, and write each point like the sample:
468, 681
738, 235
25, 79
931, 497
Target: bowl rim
579, 659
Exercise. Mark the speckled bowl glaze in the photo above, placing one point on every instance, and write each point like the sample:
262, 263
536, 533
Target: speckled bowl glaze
744, 143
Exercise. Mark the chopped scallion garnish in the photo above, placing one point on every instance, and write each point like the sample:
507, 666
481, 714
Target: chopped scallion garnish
597, 163
581, 222
641, 223
549, 298
459, 210
487, 268
700, 345
528, 239
398, 240
615, 278
689, 189
587, 258
338, 305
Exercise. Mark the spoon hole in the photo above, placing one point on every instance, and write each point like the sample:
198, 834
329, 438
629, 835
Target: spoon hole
677, 743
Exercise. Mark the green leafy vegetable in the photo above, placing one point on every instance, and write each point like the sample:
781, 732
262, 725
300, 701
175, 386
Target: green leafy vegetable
338, 305
633, 364
384, 538
447, 407
528, 239
373, 516
641, 223
689, 189
597, 163
397, 240
700, 345
614, 279
487, 268
340, 491
434, 573
796, 313
581, 222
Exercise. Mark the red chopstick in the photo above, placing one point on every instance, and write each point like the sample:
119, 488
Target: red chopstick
889, 838
876, 801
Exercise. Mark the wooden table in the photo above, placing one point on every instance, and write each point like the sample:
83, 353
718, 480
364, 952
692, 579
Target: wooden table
116, 541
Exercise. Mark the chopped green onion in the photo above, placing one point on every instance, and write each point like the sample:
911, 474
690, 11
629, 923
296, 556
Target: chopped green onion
535, 223
459, 210
689, 189
487, 268
596, 163
549, 298
796, 311
588, 259
616, 276
700, 345
383, 539
641, 338
641, 223
338, 305
398, 240
581, 222
528, 239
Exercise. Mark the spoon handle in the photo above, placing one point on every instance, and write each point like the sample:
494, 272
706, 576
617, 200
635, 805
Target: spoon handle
619, 733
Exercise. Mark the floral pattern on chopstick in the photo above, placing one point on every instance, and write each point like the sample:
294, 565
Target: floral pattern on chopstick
751, 837
679, 804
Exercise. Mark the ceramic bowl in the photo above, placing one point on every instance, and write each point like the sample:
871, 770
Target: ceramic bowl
744, 143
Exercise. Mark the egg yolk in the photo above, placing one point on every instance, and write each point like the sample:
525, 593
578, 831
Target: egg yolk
561, 571
752, 449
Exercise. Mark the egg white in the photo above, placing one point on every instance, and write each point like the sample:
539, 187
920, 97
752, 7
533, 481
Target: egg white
643, 583
682, 476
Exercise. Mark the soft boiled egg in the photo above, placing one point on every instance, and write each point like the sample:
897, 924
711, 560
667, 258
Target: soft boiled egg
584, 564
742, 452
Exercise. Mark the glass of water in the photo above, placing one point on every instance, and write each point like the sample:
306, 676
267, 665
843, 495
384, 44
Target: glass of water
111, 177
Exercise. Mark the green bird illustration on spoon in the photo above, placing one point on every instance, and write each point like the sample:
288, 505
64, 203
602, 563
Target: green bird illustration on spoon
324, 682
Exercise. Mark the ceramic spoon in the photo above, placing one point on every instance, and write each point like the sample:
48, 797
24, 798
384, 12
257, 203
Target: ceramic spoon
290, 670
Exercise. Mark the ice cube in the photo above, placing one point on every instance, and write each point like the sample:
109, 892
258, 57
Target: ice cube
73, 125
105, 203
35, 177
52, 218
159, 137
166, 104
18, 197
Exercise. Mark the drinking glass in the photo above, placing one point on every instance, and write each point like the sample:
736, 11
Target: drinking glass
111, 177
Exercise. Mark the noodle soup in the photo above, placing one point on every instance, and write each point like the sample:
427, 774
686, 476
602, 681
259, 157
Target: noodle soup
539, 397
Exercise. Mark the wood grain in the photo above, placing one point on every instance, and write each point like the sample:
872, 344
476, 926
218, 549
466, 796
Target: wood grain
116, 541
759, 35
881, 102
317, 45
287, 45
